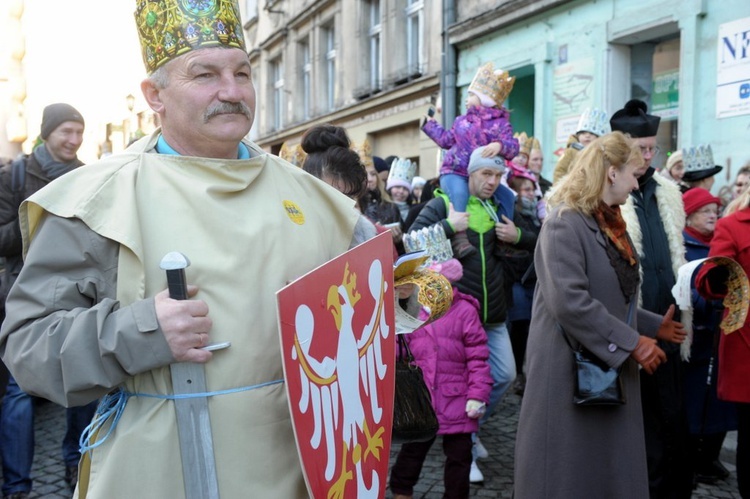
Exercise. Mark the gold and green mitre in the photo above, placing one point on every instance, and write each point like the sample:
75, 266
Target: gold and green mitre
170, 28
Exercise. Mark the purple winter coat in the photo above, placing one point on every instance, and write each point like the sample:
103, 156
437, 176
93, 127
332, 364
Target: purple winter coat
478, 127
452, 353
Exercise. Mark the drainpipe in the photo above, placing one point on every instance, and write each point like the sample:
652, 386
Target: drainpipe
448, 75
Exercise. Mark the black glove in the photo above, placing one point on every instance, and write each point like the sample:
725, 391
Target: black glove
717, 279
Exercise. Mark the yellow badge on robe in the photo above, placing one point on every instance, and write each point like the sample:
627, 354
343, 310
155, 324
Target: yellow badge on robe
294, 212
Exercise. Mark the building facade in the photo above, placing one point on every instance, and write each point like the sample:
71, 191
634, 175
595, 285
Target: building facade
689, 60
373, 66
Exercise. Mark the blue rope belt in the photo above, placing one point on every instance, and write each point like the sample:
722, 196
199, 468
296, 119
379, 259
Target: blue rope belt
113, 404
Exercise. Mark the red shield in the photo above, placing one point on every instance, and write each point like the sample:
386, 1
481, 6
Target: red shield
337, 341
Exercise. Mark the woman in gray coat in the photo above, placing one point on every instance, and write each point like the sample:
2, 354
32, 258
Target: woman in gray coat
587, 275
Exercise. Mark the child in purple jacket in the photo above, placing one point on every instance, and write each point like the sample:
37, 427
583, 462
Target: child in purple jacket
486, 123
452, 353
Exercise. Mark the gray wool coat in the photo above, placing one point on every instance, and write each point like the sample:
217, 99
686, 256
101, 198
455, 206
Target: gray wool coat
563, 450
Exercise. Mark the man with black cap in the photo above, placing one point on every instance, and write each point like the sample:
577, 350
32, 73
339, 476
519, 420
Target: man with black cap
655, 219
62, 135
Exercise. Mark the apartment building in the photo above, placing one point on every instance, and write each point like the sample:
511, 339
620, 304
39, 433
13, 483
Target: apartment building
371, 66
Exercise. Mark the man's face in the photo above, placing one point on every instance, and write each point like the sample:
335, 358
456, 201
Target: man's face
209, 103
535, 161
65, 140
484, 182
648, 151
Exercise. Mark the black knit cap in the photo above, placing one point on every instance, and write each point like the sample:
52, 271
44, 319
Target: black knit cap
633, 120
380, 164
55, 115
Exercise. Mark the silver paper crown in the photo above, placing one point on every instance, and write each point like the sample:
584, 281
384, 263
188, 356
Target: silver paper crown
698, 158
402, 169
431, 239
594, 121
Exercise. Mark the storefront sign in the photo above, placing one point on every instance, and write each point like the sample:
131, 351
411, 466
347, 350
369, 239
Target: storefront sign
733, 69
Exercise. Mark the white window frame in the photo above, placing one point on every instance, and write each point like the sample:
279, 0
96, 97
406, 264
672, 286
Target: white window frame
277, 84
251, 9
376, 47
305, 56
415, 62
329, 52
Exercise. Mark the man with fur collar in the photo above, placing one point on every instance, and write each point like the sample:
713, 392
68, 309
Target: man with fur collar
655, 218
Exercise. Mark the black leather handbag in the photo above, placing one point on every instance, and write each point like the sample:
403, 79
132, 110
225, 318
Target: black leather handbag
414, 418
596, 383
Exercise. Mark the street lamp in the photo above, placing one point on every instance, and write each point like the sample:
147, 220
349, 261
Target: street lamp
130, 100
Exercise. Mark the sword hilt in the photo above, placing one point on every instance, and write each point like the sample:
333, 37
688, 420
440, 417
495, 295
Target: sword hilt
175, 264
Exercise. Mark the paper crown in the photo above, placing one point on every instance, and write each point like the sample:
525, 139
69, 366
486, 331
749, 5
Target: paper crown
431, 239
594, 121
530, 144
364, 150
293, 153
699, 163
494, 84
402, 172
521, 138
170, 28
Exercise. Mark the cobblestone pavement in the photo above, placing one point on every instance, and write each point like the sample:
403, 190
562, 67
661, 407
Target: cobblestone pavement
498, 436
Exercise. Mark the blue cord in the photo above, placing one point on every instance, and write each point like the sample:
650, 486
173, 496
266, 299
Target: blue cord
113, 405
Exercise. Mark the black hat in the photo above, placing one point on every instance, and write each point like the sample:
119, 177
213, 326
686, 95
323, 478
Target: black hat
633, 120
380, 164
55, 115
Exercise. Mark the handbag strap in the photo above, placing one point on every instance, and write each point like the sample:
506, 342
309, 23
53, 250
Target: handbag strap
404, 353
631, 308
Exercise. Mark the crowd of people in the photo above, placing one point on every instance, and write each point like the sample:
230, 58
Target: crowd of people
587, 259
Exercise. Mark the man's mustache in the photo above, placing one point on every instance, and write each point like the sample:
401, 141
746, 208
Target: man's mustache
228, 108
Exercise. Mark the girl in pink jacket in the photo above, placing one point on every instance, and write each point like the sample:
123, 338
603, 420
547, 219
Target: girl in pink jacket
452, 353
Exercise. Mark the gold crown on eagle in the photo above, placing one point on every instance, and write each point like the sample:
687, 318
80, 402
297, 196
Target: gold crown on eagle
170, 28
495, 84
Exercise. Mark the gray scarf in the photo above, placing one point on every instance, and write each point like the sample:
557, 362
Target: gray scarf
51, 167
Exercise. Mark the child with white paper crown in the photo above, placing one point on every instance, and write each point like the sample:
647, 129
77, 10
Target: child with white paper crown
485, 123
592, 124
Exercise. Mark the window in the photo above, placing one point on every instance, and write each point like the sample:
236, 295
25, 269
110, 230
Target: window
277, 80
414, 36
376, 58
251, 9
305, 84
329, 47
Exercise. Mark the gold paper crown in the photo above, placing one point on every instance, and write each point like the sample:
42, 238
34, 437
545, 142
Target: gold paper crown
435, 291
364, 150
494, 84
293, 153
170, 28
528, 144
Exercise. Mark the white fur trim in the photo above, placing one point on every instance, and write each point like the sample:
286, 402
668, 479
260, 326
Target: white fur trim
672, 213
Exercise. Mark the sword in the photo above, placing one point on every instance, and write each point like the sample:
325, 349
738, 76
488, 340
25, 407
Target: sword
193, 422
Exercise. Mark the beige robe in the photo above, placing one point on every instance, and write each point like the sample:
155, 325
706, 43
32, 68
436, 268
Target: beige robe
248, 227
